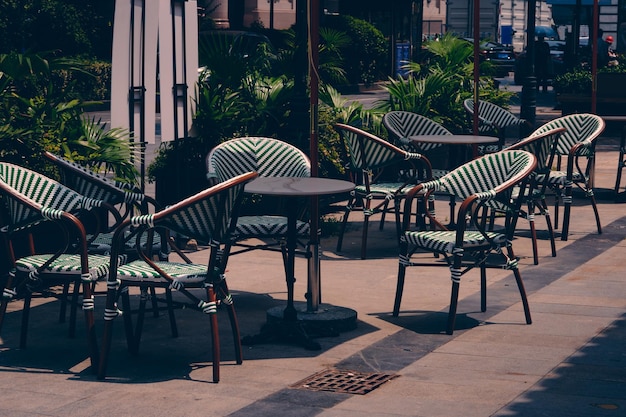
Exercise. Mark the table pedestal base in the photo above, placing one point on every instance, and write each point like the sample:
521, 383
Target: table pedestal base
328, 321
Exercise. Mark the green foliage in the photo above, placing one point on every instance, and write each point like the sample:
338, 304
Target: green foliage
75, 27
573, 82
240, 94
579, 80
365, 56
37, 115
437, 86
91, 84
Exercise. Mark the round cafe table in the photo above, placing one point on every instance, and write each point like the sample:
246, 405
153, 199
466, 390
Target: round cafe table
291, 327
473, 140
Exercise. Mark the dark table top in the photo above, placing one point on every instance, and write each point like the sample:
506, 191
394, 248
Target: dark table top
454, 139
297, 186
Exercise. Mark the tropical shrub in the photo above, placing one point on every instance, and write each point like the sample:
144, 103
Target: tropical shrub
240, 93
438, 84
36, 115
366, 55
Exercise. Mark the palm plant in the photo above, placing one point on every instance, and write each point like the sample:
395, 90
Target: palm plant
35, 116
438, 84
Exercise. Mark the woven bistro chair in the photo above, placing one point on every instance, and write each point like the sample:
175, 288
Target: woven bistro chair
210, 216
401, 125
482, 184
495, 119
30, 200
268, 157
127, 198
576, 149
368, 155
544, 148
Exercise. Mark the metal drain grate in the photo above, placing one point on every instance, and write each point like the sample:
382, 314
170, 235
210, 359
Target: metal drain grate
344, 381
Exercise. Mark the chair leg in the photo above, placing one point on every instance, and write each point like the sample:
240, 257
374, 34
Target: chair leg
595, 211
533, 231
25, 318
105, 348
64, 296
234, 322
110, 314
344, 223
92, 338
128, 320
8, 293
543, 207
567, 208
520, 286
455, 275
141, 314
364, 236
73, 308
215, 336
454, 299
399, 289
404, 253
557, 205
170, 312
483, 289
383, 214
155, 303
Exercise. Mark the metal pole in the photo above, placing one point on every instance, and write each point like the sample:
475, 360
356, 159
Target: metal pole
476, 67
313, 290
594, 58
529, 89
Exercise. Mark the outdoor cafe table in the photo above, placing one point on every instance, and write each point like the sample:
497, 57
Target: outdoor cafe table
473, 140
291, 327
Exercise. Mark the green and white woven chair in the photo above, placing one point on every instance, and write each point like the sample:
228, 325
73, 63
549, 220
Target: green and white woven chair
127, 198
483, 184
577, 147
368, 155
403, 124
269, 157
543, 146
29, 199
495, 119
208, 216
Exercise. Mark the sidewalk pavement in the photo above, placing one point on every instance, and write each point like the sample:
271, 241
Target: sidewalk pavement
570, 361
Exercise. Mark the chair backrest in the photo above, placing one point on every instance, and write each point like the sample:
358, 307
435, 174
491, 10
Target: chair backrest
93, 185
488, 175
543, 146
492, 116
367, 151
403, 124
208, 215
267, 156
32, 197
582, 129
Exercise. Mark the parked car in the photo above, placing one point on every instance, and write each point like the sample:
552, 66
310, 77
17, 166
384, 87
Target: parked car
557, 54
500, 56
